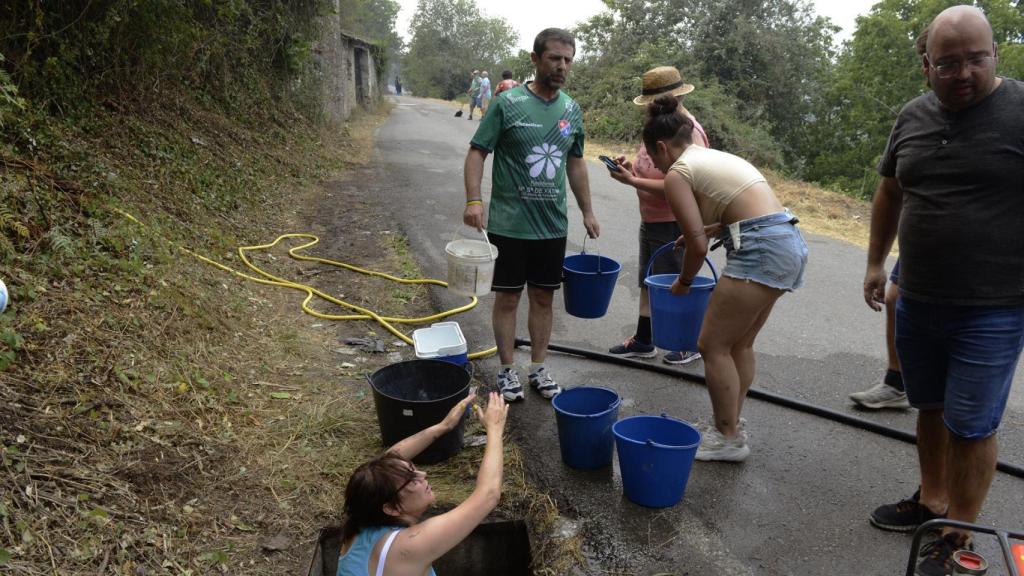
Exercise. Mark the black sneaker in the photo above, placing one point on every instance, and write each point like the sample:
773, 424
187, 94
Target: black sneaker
633, 348
903, 516
938, 554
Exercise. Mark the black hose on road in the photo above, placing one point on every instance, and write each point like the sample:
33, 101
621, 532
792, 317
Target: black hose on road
777, 399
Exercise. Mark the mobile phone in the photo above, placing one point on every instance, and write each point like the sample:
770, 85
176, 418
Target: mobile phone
611, 164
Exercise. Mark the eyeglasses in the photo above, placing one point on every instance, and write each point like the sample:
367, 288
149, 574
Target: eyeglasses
951, 69
416, 475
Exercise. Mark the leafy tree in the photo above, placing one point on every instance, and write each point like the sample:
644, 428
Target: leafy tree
879, 71
521, 66
373, 20
766, 59
773, 56
451, 38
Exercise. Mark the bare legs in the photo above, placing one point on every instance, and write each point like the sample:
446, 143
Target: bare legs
539, 321
737, 312
956, 473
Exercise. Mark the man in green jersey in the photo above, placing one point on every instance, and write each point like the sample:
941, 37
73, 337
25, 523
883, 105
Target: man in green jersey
536, 133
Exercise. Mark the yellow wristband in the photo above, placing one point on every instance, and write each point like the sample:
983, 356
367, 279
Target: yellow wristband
474, 203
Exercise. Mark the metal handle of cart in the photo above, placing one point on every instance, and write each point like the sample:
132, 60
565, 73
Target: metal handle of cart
1003, 536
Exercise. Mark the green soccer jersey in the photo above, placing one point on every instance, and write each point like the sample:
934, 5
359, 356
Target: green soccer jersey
531, 139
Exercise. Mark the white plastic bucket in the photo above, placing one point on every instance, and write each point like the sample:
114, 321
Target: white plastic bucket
470, 265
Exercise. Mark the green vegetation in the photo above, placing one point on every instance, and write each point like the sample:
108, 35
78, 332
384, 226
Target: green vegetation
127, 425
770, 85
875, 74
450, 39
757, 67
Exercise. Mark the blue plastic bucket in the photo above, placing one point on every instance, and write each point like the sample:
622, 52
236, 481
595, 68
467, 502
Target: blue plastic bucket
676, 320
585, 416
589, 281
655, 457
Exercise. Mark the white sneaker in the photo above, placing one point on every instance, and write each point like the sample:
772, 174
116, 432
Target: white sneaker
881, 395
715, 446
508, 384
541, 381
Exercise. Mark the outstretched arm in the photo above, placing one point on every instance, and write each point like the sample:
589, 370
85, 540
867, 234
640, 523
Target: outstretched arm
411, 447
419, 545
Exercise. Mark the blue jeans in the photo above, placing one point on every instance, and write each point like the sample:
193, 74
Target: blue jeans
959, 359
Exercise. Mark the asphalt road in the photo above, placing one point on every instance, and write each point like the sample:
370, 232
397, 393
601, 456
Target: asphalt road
799, 504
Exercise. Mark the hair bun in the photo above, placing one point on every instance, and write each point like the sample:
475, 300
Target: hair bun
662, 105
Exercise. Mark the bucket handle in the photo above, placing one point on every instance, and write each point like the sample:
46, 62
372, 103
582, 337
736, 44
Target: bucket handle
654, 444
671, 245
584, 251
457, 234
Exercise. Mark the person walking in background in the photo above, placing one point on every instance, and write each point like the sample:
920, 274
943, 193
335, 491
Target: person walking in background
657, 223
951, 180
716, 193
890, 393
536, 134
506, 82
474, 93
485, 92
398, 86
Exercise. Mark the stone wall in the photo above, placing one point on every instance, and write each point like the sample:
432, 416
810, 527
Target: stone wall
347, 69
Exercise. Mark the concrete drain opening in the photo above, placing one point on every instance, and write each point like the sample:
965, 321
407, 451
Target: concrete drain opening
498, 548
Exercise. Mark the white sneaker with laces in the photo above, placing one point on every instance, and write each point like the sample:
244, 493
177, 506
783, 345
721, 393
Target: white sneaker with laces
508, 384
716, 447
881, 395
542, 382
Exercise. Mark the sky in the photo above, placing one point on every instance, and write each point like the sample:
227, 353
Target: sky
522, 14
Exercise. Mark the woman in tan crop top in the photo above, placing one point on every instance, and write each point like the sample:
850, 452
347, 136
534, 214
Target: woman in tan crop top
716, 193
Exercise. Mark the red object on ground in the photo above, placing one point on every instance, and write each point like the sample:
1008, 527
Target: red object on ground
1018, 556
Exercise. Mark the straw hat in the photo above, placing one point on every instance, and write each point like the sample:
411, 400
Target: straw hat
662, 80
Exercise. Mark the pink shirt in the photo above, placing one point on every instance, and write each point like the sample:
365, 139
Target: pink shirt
654, 208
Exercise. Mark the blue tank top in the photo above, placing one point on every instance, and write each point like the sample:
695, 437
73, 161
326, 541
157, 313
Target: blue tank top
357, 558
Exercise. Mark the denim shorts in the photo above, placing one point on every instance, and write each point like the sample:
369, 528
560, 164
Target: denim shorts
654, 235
960, 359
771, 251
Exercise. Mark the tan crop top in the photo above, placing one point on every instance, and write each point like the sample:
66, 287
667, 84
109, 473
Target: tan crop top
716, 178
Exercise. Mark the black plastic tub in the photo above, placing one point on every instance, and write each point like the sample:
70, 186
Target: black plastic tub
416, 394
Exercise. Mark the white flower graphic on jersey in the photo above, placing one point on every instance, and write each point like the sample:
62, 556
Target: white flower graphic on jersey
545, 158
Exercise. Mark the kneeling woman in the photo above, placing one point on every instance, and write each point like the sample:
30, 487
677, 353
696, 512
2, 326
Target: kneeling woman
386, 497
715, 193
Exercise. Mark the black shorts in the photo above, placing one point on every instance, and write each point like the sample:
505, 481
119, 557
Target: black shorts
521, 262
654, 235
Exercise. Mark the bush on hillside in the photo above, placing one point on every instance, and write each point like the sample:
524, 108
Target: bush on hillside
606, 92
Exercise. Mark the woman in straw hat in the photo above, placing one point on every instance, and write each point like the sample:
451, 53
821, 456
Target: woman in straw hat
715, 193
658, 224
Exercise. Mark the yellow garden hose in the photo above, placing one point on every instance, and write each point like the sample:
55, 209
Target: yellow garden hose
363, 314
